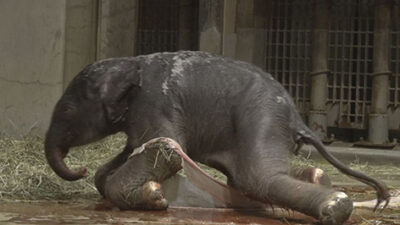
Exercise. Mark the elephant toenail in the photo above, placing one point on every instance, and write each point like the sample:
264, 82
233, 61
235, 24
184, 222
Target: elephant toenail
153, 186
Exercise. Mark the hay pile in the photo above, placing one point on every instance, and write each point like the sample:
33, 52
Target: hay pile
25, 174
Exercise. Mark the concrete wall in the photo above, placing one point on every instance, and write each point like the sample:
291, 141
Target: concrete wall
45, 43
32, 36
80, 36
117, 28
234, 28
250, 31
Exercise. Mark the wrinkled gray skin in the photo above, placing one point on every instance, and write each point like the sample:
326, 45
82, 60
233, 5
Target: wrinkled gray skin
225, 113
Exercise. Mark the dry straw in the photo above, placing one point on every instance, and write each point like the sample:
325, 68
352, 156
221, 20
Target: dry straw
25, 174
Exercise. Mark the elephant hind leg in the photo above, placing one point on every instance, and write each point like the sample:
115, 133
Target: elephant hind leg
265, 177
136, 184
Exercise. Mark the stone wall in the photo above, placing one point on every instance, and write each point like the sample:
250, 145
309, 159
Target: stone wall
32, 36
45, 43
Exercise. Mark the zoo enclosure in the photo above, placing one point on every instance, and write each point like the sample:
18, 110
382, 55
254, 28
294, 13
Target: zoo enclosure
293, 40
349, 58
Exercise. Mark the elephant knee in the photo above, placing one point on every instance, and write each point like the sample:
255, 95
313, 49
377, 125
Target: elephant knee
136, 184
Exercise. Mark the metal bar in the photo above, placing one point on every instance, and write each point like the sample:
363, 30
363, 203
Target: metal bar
291, 66
359, 116
284, 32
298, 47
341, 75
366, 62
278, 15
270, 42
350, 71
305, 62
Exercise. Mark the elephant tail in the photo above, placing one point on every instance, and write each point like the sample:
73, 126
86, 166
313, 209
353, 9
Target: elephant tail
305, 135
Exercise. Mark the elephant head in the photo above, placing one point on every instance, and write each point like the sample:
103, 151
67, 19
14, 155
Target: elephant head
93, 106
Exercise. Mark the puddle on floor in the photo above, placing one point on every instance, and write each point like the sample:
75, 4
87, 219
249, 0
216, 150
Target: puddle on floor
99, 212
49, 212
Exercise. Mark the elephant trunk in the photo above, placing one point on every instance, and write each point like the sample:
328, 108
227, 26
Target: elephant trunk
55, 157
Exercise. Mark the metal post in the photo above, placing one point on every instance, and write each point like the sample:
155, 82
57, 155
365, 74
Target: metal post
320, 71
378, 121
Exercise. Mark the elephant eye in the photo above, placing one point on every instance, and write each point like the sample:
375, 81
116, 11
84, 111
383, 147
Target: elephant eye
68, 109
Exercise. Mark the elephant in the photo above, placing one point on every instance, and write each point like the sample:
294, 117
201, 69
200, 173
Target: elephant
225, 113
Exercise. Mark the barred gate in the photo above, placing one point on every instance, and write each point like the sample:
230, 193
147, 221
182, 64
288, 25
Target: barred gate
288, 52
288, 58
350, 62
160, 27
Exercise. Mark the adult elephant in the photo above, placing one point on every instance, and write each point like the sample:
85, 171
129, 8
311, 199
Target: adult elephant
224, 113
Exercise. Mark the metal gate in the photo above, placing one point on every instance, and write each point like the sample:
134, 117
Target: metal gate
350, 61
288, 48
289, 39
162, 28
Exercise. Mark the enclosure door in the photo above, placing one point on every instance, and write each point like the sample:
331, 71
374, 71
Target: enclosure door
167, 25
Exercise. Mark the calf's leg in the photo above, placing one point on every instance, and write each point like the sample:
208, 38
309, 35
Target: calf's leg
136, 184
263, 175
109, 168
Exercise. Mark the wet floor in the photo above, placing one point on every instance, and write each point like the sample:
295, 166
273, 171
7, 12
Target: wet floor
99, 212
81, 213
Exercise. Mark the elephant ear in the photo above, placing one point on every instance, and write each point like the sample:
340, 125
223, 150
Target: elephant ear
116, 88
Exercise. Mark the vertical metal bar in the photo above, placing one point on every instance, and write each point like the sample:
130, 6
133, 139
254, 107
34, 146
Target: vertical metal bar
335, 64
341, 75
283, 53
350, 71
366, 62
397, 63
278, 30
270, 42
296, 68
305, 61
290, 57
358, 73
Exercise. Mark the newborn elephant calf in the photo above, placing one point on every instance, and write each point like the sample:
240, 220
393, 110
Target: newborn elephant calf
224, 113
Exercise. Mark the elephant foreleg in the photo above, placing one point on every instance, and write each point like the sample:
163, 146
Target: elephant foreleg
109, 168
136, 184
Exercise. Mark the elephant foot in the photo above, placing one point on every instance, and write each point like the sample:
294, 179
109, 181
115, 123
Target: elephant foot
335, 209
312, 175
152, 197
136, 184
